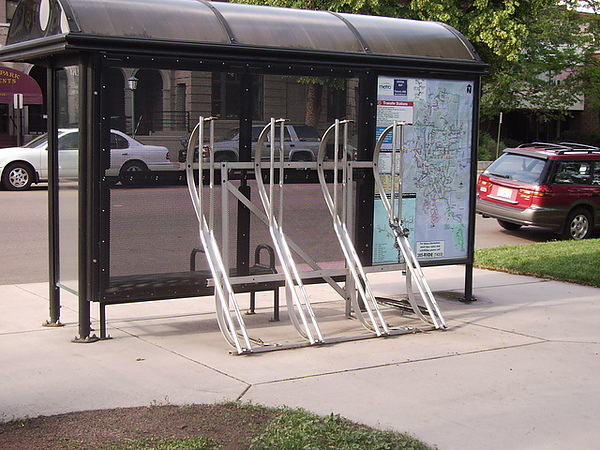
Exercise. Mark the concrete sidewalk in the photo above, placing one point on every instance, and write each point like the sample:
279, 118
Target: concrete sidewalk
517, 369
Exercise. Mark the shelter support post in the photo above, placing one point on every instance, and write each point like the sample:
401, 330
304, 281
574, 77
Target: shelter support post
88, 105
54, 294
468, 297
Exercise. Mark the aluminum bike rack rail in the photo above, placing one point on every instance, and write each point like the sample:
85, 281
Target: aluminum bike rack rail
297, 300
393, 207
231, 323
366, 299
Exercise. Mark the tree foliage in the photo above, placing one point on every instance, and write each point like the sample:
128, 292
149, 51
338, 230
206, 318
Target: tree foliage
539, 51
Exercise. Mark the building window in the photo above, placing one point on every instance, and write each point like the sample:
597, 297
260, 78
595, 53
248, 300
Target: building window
180, 104
11, 6
226, 94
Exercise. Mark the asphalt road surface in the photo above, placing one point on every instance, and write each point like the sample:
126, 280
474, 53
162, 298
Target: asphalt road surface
24, 237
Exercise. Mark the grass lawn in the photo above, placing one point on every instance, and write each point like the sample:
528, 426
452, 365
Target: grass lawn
572, 261
229, 425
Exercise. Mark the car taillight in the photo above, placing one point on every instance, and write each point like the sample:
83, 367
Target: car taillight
206, 151
168, 156
537, 192
483, 183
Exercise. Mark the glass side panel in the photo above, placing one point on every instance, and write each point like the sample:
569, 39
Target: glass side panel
153, 229
68, 143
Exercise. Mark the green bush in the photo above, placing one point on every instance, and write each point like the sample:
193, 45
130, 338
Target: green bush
487, 147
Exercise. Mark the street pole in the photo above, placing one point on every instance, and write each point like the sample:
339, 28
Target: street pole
498, 139
18, 106
133, 84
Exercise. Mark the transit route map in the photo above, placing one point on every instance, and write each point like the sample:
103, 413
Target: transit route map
436, 166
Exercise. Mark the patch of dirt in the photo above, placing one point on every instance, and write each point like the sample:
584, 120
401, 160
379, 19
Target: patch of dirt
230, 425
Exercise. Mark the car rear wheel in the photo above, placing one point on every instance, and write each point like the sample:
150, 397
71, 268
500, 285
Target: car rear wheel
132, 171
509, 225
17, 177
578, 225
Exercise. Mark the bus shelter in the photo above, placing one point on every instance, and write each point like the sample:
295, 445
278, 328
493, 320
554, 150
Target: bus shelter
379, 112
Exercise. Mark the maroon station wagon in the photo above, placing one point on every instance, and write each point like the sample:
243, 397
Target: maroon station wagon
556, 186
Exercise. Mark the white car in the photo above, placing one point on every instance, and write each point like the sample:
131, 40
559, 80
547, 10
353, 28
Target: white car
20, 167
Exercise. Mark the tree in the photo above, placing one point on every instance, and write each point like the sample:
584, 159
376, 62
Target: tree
546, 78
536, 49
314, 85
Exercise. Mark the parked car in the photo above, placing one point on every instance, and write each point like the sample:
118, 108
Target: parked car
301, 143
20, 167
556, 186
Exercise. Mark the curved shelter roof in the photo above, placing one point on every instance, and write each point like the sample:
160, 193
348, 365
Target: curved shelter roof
42, 27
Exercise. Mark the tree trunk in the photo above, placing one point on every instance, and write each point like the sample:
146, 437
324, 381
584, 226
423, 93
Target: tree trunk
314, 93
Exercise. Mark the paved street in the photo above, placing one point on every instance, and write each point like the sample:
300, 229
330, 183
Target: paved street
24, 241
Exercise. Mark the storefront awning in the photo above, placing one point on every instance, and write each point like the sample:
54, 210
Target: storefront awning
14, 82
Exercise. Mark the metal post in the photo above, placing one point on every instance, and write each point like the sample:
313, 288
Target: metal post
365, 184
85, 88
53, 248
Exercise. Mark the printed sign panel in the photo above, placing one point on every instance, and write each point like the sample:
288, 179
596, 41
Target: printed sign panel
437, 165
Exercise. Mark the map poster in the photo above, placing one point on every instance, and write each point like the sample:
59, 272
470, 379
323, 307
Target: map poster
383, 252
436, 166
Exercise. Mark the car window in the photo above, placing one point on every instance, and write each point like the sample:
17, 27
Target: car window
257, 130
573, 172
69, 141
596, 174
117, 141
306, 133
40, 141
286, 134
234, 135
517, 168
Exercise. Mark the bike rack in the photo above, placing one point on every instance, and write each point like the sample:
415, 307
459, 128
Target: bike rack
234, 327
393, 207
365, 298
357, 292
297, 300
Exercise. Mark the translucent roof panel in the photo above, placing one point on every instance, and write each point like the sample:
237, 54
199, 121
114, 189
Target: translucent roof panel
202, 22
288, 28
188, 20
391, 36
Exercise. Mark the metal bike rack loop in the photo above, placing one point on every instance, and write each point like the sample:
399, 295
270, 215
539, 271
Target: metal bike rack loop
231, 323
366, 299
297, 300
393, 207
